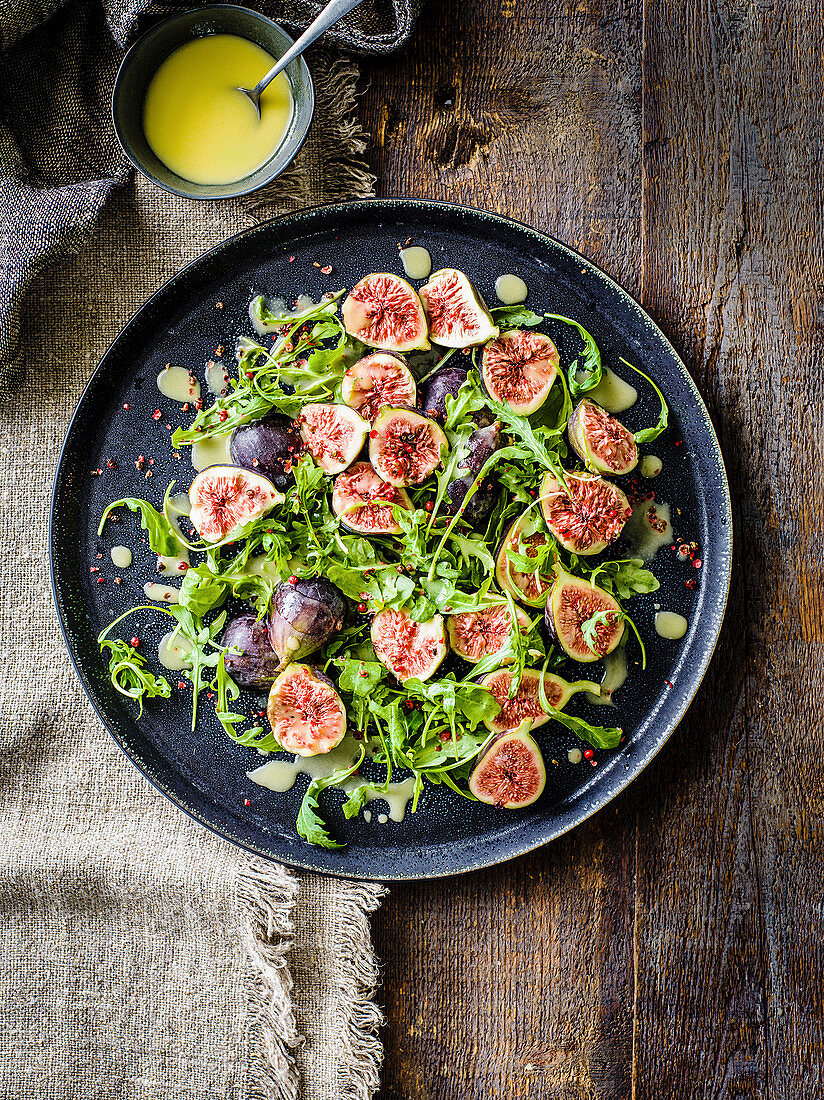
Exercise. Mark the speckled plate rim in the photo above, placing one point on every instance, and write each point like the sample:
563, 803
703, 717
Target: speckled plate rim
572, 812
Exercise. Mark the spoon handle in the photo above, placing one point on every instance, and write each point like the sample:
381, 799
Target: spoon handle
334, 10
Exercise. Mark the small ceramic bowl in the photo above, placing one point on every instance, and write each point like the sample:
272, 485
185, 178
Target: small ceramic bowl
151, 50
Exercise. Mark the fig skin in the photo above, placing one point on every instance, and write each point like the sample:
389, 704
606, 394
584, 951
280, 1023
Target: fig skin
601, 442
256, 665
305, 615
305, 712
455, 312
480, 446
405, 447
409, 649
474, 635
511, 773
519, 368
525, 705
332, 434
359, 484
507, 576
376, 381
443, 383
384, 312
571, 602
269, 446
225, 498
588, 518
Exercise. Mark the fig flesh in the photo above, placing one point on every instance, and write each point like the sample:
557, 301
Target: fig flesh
572, 602
363, 501
511, 773
479, 447
474, 635
443, 383
408, 648
524, 536
268, 446
586, 516
383, 311
332, 434
249, 657
225, 498
518, 369
377, 381
305, 712
526, 702
305, 614
405, 447
601, 442
456, 313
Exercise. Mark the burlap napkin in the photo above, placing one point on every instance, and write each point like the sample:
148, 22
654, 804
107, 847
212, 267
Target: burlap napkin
142, 957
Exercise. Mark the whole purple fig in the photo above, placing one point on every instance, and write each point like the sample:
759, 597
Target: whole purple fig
305, 615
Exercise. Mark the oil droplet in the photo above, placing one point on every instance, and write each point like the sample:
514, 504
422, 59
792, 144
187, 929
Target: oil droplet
217, 380
417, 263
213, 451
648, 528
367, 815
121, 556
161, 593
615, 674
383, 818
510, 289
575, 756
651, 466
178, 384
613, 393
671, 625
174, 654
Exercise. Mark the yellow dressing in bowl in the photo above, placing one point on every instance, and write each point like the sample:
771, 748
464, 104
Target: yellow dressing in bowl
200, 125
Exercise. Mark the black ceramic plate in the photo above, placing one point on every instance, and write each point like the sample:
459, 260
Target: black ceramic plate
203, 772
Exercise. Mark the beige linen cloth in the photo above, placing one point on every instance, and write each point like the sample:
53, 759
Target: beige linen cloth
141, 957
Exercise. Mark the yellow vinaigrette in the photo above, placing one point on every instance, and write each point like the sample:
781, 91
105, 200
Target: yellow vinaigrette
200, 125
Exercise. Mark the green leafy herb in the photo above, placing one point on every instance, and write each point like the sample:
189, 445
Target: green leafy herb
646, 435
310, 824
128, 674
591, 368
164, 537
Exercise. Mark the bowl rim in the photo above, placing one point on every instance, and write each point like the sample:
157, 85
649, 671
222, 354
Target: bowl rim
217, 195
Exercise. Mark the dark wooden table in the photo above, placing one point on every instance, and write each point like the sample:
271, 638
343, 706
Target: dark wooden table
672, 946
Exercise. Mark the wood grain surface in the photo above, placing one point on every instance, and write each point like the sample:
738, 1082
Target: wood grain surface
672, 946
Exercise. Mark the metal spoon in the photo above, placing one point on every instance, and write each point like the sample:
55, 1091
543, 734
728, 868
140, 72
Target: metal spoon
331, 14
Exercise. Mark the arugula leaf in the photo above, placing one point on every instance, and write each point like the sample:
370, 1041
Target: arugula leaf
591, 368
625, 578
164, 539
310, 824
646, 435
127, 672
602, 737
517, 316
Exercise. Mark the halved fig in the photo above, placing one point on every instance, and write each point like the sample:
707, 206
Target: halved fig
363, 501
518, 369
443, 383
524, 536
332, 434
601, 442
586, 516
268, 446
225, 498
408, 648
383, 311
305, 712
511, 773
573, 602
477, 634
479, 447
526, 702
306, 613
249, 657
377, 381
405, 447
457, 315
